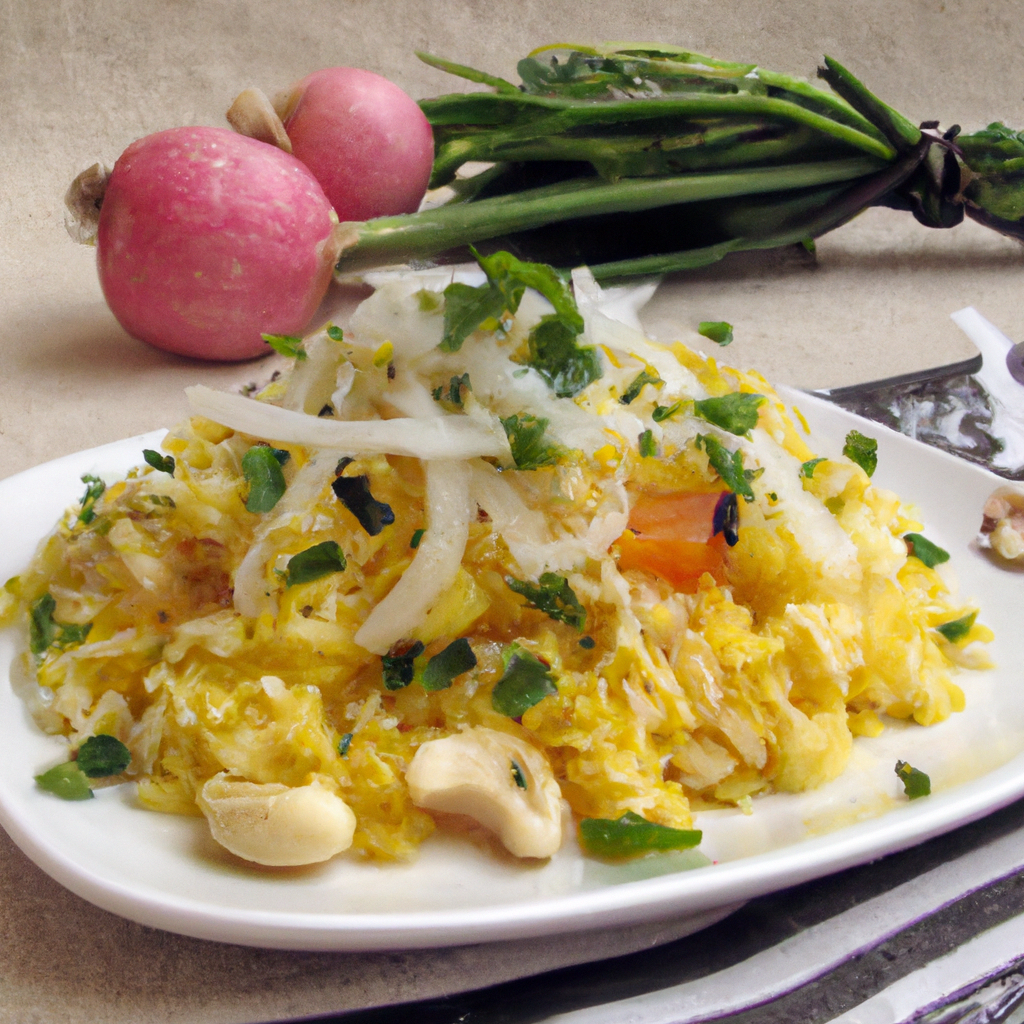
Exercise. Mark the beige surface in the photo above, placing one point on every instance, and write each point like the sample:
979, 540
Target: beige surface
79, 79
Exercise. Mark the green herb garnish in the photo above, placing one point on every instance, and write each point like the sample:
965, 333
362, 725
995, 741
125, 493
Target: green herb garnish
915, 783
647, 445
958, 629
94, 488
735, 412
525, 682
335, 333
808, 468
100, 756
863, 450
664, 412
344, 743
467, 309
517, 775
454, 392
442, 669
261, 467
555, 354
717, 331
417, 536
354, 493
925, 551
632, 836
67, 781
398, 664
161, 463
644, 377
552, 595
45, 631
530, 449
729, 466
287, 345
315, 562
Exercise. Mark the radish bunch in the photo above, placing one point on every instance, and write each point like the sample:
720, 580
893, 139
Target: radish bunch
208, 238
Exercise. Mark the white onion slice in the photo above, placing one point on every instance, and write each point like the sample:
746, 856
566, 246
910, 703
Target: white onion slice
436, 563
443, 437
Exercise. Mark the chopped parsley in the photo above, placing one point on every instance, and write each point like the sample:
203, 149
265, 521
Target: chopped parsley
44, 631
530, 449
915, 783
664, 412
717, 331
417, 536
94, 488
735, 412
335, 333
454, 393
67, 781
261, 467
863, 450
287, 345
442, 669
643, 378
467, 309
925, 551
729, 466
354, 493
647, 445
631, 836
566, 366
525, 682
398, 664
344, 743
958, 629
808, 468
161, 463
517, 775
100, 756
314, 563
552, 595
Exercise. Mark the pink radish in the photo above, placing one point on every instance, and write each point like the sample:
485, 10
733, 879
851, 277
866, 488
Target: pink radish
365, 140
208, 239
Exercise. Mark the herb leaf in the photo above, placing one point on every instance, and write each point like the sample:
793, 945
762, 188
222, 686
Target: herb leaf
530, 450
735, 412
633, 391
94, 487
915, 783
442, 668
631, 836
67, 781
44, 631
286, 345
315, 562
354, 493
511, 276
863, 450
555, 354
466, 309
717, 331
100, 756
417, 536
517, 775
647, 445
728, 465
344, 743
162, 463
261, 467
553, 596
398, 666
526, 681
925, 551
808, 468
958, 629
664, 412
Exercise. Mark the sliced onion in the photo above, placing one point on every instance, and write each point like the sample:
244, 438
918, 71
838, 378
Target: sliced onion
443, 437
436, 563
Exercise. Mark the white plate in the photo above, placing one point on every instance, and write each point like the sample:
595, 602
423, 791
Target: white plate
164, 871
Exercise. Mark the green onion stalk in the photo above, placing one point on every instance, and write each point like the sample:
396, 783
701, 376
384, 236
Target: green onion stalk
641, 159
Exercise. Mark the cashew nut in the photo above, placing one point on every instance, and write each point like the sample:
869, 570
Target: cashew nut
498, 780
277, 825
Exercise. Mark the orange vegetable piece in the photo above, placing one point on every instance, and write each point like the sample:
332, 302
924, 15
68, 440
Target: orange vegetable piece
673, 537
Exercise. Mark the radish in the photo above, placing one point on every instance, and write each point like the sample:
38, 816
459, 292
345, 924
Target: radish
365, 140
208, 239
